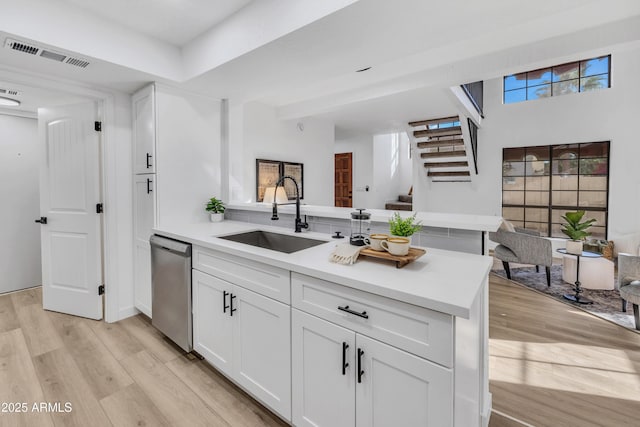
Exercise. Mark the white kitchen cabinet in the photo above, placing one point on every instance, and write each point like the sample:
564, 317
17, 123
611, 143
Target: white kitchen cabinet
144, 130
343, 378
246, 336
144, 202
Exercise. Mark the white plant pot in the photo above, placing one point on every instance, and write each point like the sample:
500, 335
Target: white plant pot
406, 237
574, 247
216, 217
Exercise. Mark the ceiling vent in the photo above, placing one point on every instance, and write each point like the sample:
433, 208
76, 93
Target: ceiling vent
32, 49
9, 92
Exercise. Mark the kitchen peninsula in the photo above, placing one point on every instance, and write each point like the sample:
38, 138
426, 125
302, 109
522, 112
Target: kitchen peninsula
321, 343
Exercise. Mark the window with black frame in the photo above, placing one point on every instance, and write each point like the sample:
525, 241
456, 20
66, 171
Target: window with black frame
540, 184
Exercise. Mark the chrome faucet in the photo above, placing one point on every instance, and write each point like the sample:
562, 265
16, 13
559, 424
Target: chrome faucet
299, 223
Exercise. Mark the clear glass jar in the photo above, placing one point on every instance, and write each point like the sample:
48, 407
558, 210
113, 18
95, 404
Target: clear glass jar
360, 227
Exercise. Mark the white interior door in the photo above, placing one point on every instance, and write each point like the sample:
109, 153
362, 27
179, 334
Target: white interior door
69, 192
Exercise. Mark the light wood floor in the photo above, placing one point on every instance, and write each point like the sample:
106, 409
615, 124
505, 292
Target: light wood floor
550, 365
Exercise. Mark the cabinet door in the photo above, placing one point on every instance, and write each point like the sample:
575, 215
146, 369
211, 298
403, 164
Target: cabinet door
144, 130
212, 323
399, 389
143, 222
262, 349
323, 392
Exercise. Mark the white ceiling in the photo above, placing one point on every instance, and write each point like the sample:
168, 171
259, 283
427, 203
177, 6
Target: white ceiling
31, 98
414, 47
173, 21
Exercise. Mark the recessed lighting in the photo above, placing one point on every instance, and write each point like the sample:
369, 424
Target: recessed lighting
363, 69
9, 102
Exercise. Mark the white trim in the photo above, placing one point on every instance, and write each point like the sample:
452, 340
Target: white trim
125, 312
18, 113
509, 417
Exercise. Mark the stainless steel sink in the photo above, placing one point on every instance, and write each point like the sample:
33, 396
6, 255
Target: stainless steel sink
274, 241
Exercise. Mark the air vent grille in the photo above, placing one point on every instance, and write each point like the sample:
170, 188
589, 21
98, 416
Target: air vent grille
8, 92
31, 50
53, 55
77, 62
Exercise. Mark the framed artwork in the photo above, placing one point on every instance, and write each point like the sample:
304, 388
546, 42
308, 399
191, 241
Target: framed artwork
268, 172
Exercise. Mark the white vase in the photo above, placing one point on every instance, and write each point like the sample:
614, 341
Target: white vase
574, 247
216, 217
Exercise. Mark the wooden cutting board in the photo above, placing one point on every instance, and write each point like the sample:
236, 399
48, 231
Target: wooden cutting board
401, 261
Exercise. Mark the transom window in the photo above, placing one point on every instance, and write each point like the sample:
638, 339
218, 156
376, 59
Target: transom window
540, 184
445, 125
573, 77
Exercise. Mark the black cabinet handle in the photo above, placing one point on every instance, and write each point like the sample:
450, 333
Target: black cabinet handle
355, 313
42, 220
345, 364
149, 190
231, 304
149, 156
224, 301
360, 370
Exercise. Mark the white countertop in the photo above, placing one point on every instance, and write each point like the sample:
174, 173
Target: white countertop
429, 219
440, 280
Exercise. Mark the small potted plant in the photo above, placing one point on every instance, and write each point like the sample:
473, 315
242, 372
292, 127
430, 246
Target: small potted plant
215, 208
404, 227
576, 231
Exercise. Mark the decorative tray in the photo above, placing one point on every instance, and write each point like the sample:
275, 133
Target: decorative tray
400, 260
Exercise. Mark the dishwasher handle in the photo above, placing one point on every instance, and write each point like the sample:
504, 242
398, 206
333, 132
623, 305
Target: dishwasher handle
174, 246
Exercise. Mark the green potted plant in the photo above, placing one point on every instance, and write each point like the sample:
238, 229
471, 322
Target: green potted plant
215, 207
403, 227
576, 231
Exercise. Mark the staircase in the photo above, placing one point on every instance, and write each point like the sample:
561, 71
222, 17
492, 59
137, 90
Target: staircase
442, 148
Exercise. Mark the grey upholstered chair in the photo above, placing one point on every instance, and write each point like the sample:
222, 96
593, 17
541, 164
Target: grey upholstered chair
629, 283
523, 247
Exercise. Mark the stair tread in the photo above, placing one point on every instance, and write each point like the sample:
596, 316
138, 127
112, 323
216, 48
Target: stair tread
440, 154
434, 121
450, 173
440, 143
456, 130
446, 164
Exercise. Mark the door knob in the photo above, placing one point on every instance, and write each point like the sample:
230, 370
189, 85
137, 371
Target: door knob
42, 220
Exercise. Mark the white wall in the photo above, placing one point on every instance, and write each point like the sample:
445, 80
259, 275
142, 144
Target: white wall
257, 133
361, 147
188, 155
609, 114
19, 192
392, 168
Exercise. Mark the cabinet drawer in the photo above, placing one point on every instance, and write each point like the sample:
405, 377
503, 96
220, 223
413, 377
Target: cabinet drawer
423, 332
262, 278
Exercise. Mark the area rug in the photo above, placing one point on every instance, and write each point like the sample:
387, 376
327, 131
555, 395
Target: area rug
606, 304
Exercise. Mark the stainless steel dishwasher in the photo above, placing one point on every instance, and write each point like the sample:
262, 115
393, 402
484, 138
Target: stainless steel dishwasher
171, 289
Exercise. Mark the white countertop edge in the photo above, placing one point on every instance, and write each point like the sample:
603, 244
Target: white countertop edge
429, 219
461, 308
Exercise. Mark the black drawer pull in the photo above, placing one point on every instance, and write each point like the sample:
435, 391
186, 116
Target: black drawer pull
149, 156
224, 301
149, 190
345, 364
360, 370
355, 313
231, 303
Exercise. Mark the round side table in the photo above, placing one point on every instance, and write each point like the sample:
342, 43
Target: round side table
577, 288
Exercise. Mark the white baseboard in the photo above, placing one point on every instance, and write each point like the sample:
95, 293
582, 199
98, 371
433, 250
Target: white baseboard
123, 313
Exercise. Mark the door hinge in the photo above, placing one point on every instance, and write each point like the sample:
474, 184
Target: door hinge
98, 126
99, 208
101, 290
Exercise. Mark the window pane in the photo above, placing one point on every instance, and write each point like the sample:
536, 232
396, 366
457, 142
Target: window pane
594, 66
542, 227
594, 82
513, 214
515, 96
539, 198
513, 183
513, 168
518, 224
593, 182
598, 232
537, 168
513, 197
536, 92
593, 166
555, 231
593, 199
537, 183
565, 72
565, 182
537, 153
556, 215
563, 88
539, 77
536, 214
515, 81
565, 198
513, 154
596, 149
566, 151
565, 167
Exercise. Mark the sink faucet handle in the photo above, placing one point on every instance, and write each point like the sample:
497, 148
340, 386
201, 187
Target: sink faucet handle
274, 212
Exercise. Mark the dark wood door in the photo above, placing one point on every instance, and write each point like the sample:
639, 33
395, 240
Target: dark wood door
343, 180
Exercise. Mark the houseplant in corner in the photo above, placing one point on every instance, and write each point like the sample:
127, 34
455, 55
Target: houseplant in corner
576, 231
404, 227
215, 207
